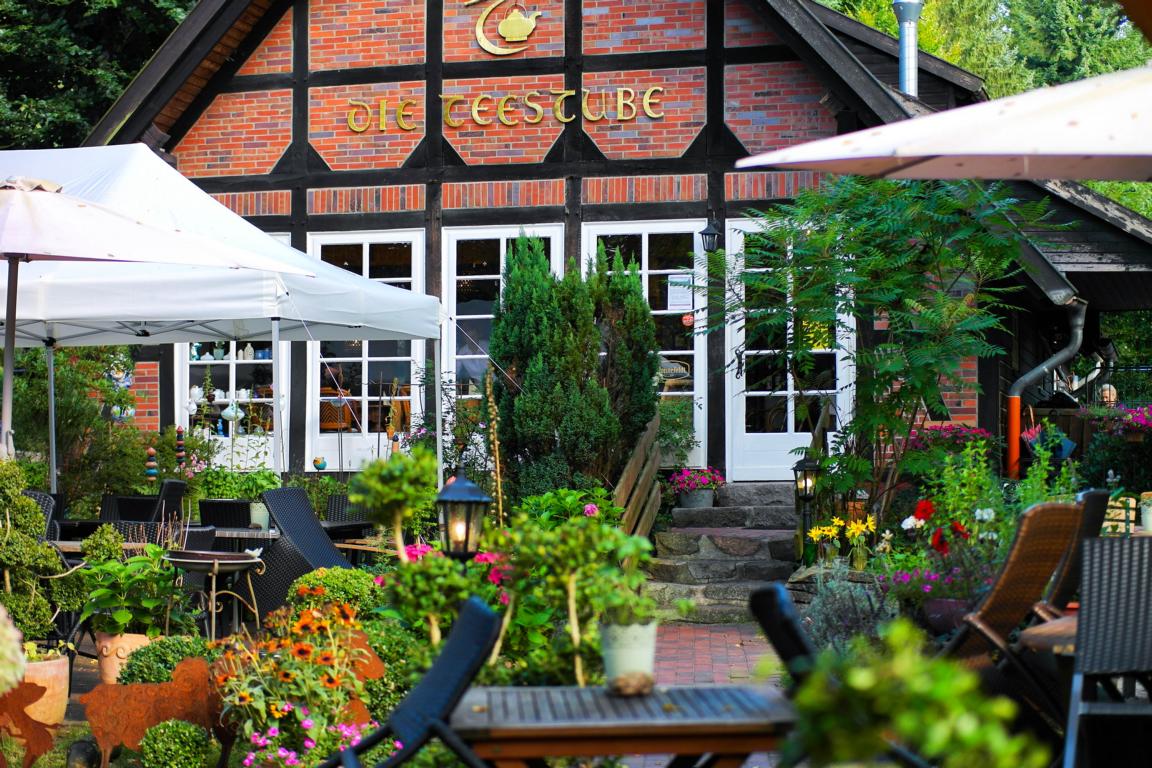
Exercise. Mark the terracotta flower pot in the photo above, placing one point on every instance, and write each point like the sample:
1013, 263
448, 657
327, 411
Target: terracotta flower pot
112, 651
52, 675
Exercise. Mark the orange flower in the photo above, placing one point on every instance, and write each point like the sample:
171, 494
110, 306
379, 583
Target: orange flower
345, 614
326, 659
330, 681
322, 626
222, 679
286, 676
305, 624
276, 711
243, 698
303, 591
302, 651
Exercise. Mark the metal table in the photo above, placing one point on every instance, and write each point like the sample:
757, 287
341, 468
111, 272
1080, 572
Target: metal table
515, 727
213, 565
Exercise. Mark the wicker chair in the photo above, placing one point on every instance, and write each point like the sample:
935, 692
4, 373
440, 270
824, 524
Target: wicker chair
340, 510
1044, 537
1066, 582
424, 712
303, 547
774, 610
226, 513
1113, 638
47, 505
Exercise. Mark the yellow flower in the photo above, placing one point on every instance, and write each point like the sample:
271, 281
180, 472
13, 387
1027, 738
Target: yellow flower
815, 534
837, 522
871, 523
856, 528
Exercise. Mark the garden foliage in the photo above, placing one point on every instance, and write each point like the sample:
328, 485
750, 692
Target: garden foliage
153, 663
175, 744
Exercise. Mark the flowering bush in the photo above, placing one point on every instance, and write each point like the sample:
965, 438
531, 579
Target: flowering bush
950, 437
290, 692
695, 479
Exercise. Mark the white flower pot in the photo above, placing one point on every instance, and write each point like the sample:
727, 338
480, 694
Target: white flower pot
628, 648
258, 514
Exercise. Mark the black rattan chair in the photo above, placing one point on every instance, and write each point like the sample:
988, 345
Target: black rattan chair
1113, 638
303, 546
425, 711
226, 513
47, 505
1066, 582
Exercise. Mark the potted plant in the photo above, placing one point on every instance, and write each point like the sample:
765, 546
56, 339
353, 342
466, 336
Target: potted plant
130, 603
222, 483
392, 490
696, 487
48, 667
628, 623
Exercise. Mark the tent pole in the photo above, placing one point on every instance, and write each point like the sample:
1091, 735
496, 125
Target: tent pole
50, 360
437, 410
7, 445
277, 418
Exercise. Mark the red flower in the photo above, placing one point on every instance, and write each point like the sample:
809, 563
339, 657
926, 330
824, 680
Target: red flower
939, 543
959, 530
924, 510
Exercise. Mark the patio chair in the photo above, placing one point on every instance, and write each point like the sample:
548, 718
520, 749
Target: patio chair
1113, 638
47, 505
425, 711
1066, 582
1045, 534
226, 513
774, 610
303, 546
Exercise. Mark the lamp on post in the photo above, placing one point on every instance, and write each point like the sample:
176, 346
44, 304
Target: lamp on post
710, 236
461, 506
807, 472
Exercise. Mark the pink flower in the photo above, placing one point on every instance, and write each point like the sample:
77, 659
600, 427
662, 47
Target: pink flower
256, 737
504, 599
591, 510
273, 732
306, 723
309, 743
488, 557
250, 759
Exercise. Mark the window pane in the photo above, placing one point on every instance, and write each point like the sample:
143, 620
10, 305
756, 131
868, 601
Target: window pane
330, 349
342, 376
765, 373
213, 378
253, 377
476, 297
677, 373
387, 373
670, 250
478, 257
470, 375
380, 413
671, 292
389, 260
766, 414
630, 246
472, 336
819, 374
671, 333
349, 257
389, 349
808, 413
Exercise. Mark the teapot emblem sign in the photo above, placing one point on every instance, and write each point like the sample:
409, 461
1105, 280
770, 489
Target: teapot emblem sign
517, 26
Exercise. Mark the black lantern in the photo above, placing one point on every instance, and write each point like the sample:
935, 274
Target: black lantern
710, 237
807, 472
461, 506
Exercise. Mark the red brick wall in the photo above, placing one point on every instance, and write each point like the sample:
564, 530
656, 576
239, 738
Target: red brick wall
400, 197
344, 34
645, 189
611, 26
682, 103
460, 44
775, 105
766, 185
276, 203
503, 194
239, 134
146, 389
274, 55
744, 25
497, 143
346, 150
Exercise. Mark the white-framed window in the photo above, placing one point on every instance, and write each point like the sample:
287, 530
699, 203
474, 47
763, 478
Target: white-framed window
668, 255
474, 261
358, 389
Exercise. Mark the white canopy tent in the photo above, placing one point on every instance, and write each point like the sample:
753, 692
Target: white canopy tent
85, 304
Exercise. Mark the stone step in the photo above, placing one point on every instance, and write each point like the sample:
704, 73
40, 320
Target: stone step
716, 571
765, 516
756, 494
712, 603
727, 543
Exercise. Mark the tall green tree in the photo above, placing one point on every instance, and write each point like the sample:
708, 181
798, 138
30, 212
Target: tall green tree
64, 62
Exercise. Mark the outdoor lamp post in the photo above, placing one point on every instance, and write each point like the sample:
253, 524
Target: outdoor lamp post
461, 507
807, 472
710, 236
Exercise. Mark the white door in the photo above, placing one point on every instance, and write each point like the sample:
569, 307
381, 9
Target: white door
772, 410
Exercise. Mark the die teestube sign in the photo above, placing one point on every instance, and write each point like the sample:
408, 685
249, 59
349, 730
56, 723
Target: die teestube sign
510, 109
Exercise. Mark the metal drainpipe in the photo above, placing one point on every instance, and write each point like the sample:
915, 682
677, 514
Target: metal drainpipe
1077, 310
908, 14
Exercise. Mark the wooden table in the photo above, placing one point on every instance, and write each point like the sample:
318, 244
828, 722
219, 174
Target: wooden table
1057, 637
248, 533
73, 547
513, 727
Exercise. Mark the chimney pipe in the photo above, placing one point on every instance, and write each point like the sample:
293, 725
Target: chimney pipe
908, 14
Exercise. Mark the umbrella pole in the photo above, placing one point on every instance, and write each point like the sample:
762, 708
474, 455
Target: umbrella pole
436, 410
277, 432
7, 445
50, 361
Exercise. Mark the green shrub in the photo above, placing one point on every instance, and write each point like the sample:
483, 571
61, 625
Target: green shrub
1130, 461
341, 585
175, 744
153, 663
405, 655
842, 609
319, 486
103, 545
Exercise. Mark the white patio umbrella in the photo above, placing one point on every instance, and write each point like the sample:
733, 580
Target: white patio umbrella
1099, 128
40, 223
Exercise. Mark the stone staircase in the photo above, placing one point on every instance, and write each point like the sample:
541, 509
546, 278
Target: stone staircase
716, 557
